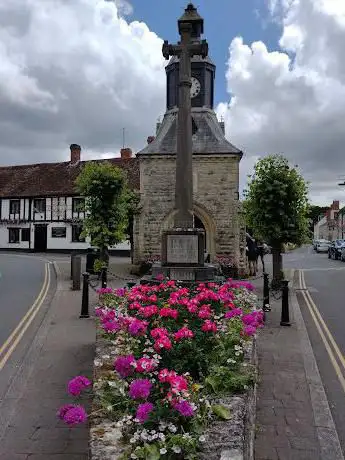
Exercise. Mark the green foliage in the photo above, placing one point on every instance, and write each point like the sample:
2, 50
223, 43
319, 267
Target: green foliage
276, 202
107, 203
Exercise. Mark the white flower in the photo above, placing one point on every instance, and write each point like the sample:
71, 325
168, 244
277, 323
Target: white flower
161, 436
176, 449
133, 456
202, 438
172, 428
163, 451
133, 440
109, 408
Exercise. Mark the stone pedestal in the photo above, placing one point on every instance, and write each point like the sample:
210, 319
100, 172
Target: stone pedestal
183, 257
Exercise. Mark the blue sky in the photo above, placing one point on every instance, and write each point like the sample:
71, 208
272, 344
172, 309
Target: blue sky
224, 19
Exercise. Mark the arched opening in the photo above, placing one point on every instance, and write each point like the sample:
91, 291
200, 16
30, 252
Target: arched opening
198, 223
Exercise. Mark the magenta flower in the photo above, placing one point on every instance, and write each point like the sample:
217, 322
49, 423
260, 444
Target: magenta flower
145, 365
111, 326
183, 333
140, 389
232, 313
184, 408
77, 384
137, 327
209, 326
120, 292
72, 414
124, 365
249, 330
143, 411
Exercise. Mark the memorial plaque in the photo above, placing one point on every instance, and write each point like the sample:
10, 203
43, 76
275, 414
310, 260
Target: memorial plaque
182, 249
180, 274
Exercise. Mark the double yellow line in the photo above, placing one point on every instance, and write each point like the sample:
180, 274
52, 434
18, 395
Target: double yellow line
9, 346
335, 355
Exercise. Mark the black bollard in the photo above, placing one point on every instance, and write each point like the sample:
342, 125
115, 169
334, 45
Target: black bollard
104, 278
285, 318
76, 273
85, 298
266, 303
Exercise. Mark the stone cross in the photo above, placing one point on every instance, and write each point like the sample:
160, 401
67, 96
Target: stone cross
185, 49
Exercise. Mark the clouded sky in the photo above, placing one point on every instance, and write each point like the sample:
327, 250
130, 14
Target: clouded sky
79, 71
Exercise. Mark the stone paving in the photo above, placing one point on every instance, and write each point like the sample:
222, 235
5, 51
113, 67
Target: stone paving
285, 421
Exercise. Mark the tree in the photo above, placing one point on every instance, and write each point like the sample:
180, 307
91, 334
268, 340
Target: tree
106, 205
276, 206
314, 213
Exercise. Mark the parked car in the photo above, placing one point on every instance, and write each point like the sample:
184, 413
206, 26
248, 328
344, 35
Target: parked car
315, 244
322, 245
334, 249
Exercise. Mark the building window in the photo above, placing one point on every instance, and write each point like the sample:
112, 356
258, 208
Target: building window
14, 206
25, 234
13, 235
76, 231
78, 204
59, 232
40, 205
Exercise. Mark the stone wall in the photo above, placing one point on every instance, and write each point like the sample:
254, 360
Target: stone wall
216, 184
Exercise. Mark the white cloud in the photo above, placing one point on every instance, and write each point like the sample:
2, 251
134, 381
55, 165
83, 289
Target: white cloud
75, 71
293, 101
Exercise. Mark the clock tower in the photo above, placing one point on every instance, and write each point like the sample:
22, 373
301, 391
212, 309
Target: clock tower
215, 165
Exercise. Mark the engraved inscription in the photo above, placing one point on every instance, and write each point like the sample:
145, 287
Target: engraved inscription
182, 275
182, 249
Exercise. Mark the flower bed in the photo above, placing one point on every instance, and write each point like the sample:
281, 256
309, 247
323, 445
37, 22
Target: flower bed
170, 357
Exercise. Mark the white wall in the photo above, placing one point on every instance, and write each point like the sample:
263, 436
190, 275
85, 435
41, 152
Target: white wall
4, 244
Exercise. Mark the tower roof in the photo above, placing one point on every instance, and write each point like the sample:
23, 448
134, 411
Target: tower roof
208, 137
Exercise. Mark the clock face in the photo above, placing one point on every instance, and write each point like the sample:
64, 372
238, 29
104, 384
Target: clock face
196, 87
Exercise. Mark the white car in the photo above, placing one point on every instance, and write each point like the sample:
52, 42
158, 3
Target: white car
322, 245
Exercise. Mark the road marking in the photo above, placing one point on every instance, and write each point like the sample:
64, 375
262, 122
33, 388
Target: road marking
25, 322
318, 320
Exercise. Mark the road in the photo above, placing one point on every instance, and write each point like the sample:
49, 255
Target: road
320, 284
26, 283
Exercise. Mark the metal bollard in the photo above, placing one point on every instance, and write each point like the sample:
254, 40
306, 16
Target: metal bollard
76, 273
85, 298
104, 278
73, 255
266, 303
285, 317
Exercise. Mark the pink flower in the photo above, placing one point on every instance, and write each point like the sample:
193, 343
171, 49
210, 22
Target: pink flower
159, 332
140, 389
77, 384
143, 411
120, 292
184, 408
183, 333
124, 365
209, 326
145, 365
168, 313
192, 308
72, 414
149, 311
204, 312
178, 383
160, 277
164, 375
137, 327
162, 343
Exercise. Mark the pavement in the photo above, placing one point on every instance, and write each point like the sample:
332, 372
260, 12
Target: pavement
294, 420
62, 348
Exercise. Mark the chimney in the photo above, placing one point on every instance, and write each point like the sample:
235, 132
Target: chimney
75, 153
126, 153
150, 139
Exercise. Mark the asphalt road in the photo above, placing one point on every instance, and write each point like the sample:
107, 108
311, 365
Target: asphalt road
324, 279
27, 284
